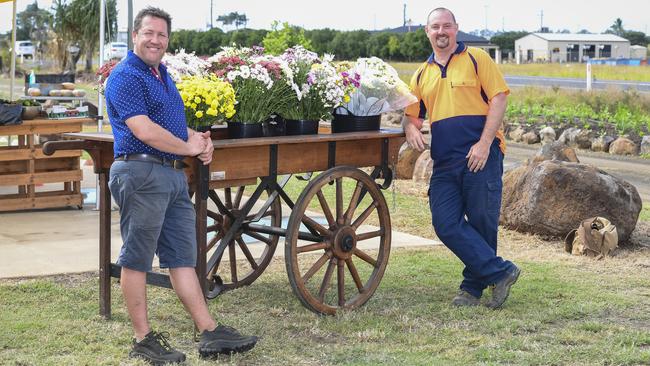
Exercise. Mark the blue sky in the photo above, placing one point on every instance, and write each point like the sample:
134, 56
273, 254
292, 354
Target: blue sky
574, 15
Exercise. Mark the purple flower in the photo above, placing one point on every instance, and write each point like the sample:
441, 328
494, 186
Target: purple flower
310, 79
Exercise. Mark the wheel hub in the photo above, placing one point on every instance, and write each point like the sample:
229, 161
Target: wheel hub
345, 240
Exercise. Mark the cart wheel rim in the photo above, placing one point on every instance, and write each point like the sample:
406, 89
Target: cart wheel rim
343, 269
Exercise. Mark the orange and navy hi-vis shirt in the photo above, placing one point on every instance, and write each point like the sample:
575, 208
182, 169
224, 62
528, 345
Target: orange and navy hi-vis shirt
454, 99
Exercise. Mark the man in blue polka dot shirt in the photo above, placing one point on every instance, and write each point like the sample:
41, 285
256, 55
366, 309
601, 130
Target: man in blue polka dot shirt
147, 182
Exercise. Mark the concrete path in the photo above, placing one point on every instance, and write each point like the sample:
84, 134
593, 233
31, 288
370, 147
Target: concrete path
45, 242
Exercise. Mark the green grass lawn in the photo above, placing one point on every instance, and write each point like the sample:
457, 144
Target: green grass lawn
556, 314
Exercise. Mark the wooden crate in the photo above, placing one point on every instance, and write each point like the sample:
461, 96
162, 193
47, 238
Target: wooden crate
27, 169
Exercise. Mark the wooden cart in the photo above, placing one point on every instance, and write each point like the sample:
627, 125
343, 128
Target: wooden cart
238, 202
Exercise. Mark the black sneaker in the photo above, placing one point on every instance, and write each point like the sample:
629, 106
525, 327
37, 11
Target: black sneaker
501, 289
155, 349
224, 340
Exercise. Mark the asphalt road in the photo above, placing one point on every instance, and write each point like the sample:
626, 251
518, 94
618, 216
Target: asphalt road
634, 170
568, 83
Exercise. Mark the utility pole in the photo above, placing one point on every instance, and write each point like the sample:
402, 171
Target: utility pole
129, 26
404, 16
486, 13
211, 17
541, 20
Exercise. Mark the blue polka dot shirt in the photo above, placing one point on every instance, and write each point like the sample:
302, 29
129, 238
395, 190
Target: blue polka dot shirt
133, 89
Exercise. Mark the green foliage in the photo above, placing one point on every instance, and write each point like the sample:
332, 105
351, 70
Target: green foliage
506, 40
279, 40
33, 24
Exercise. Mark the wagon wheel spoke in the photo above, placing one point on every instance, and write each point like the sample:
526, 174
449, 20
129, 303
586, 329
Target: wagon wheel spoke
268, 213
370, 235
316, 266
364, 215
318, 227
258, 236
326, 280
353, 203
341, 281
247, 253
365, 257
314, 247
228, 197
339, 201
354, 274
214, 240
216, 267
326, 208
233, 262
238, 196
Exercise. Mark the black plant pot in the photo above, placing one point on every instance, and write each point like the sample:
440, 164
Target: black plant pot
351, 123
274, 127
301, 127
238, 130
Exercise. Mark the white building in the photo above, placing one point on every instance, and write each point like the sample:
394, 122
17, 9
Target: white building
568, 47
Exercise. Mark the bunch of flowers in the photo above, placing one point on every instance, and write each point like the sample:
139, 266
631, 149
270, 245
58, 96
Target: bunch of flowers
184, 64
317, 86
103, 73
208, 100
262, 83
377, 88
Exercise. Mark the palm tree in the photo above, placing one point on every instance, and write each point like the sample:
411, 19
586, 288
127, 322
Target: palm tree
617, 27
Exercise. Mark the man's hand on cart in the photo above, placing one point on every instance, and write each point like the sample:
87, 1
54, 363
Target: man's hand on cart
206, 155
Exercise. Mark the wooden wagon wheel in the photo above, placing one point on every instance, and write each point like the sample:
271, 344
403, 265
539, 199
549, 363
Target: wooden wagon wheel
339, 248
257, 248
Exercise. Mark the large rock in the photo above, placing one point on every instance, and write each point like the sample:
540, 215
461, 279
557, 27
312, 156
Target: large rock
406, 161
601, 143
623, 146
547, 135
423, 167
552, 197
645, 145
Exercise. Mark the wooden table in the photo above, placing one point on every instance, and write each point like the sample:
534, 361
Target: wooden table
26, 167
254, 213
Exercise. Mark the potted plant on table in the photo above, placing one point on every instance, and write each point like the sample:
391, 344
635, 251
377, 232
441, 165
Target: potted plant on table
262, 87
375, 89
316, 90
208, 101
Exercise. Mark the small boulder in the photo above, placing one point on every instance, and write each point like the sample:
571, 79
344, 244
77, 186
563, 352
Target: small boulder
601, 143
582, 140
623, 146
568, 136
516, 134
423, 167
645, 145
406, 161
555, 151
530, 138
547, 135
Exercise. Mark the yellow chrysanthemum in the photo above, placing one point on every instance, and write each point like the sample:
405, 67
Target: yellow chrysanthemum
198, 114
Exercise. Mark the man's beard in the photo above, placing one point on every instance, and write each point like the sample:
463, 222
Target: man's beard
442, 42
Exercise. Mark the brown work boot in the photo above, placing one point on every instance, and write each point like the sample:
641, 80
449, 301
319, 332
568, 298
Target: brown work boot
464, 298
501, 289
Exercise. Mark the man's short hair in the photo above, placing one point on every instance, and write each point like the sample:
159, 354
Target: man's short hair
441, 9
152, 12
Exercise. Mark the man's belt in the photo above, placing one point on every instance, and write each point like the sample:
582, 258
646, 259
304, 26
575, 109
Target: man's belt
176, 164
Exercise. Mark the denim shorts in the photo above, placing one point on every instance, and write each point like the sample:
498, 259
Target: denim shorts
156, 215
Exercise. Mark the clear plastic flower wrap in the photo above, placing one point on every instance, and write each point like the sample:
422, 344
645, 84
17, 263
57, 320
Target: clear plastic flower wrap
375, 88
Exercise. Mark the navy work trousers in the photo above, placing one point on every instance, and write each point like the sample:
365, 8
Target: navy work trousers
465, 210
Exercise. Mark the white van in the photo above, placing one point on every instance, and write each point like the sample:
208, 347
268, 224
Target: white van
115, 50
25, 49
